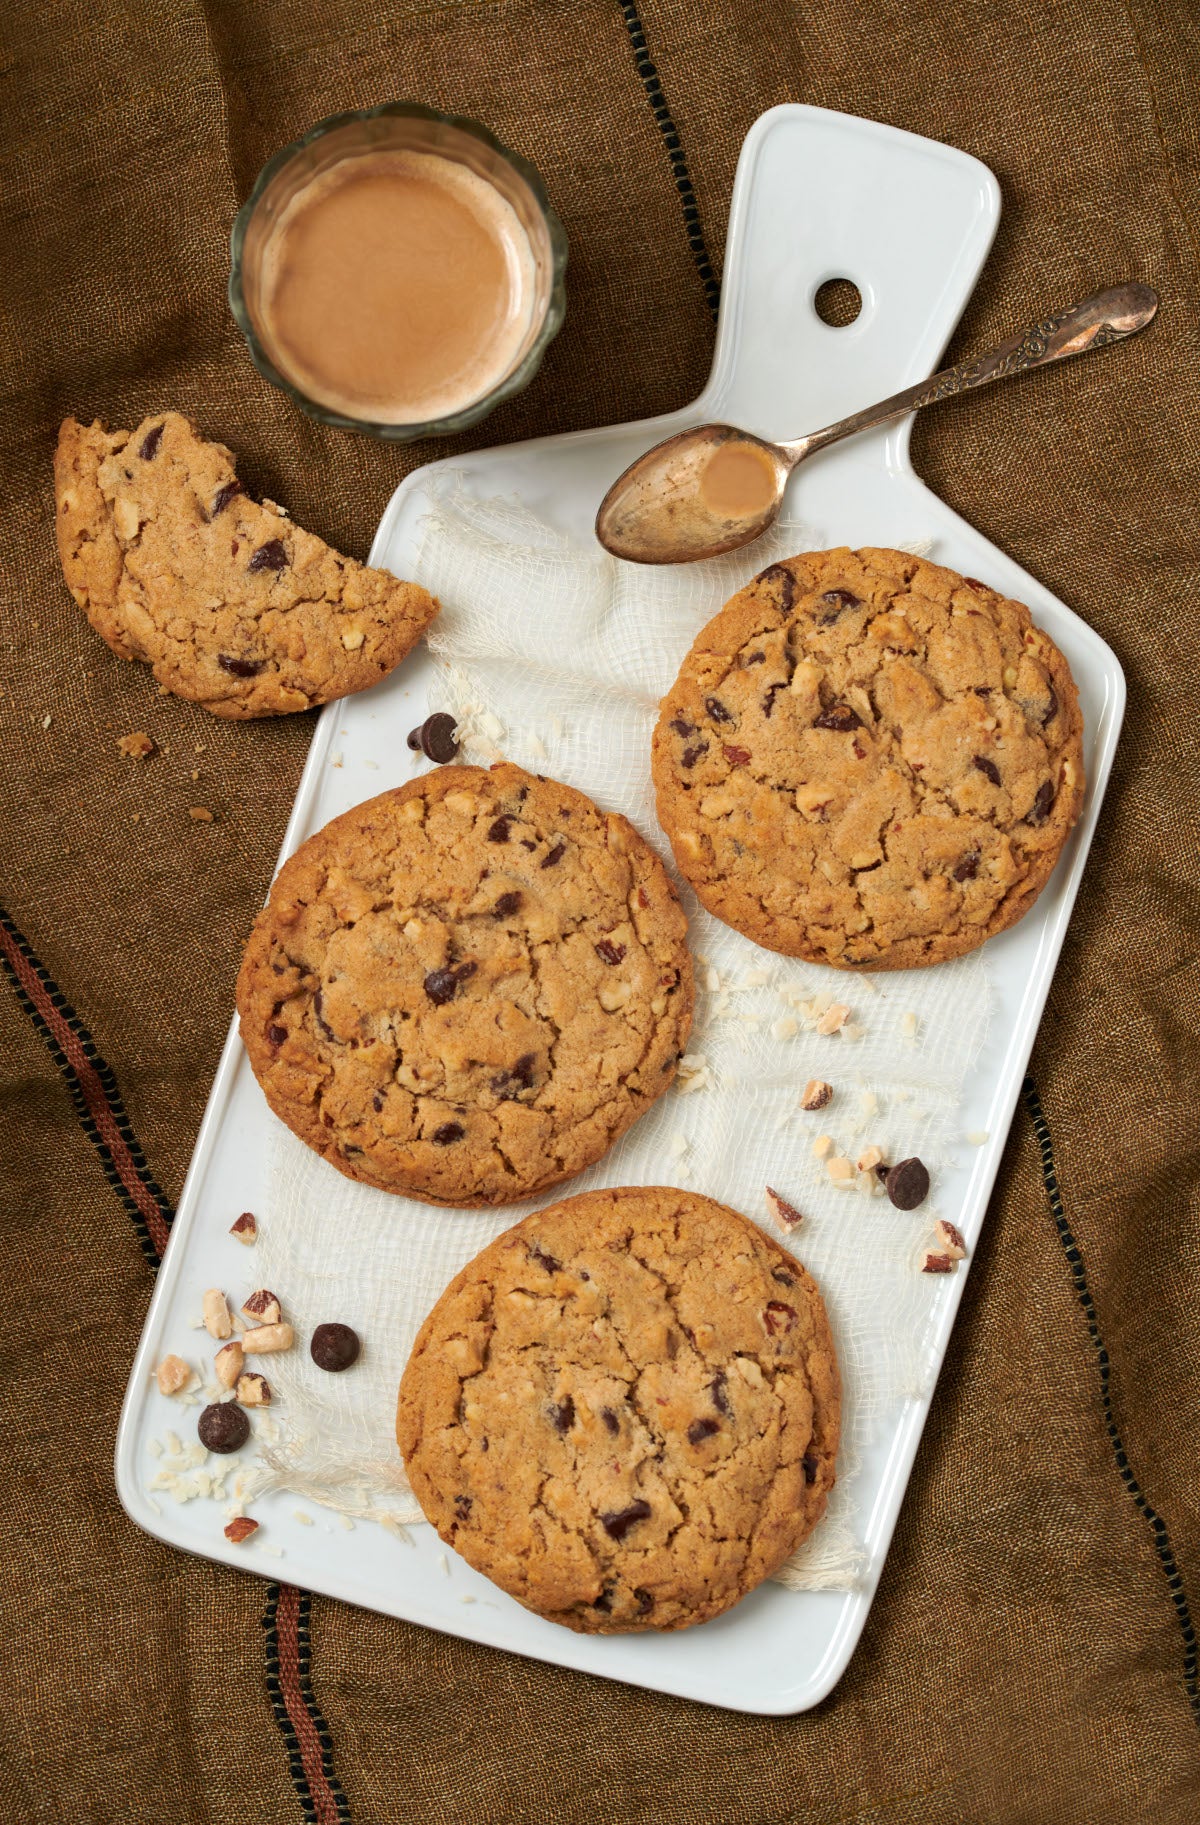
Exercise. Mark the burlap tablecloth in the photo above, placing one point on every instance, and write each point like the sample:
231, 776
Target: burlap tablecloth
1030, 1656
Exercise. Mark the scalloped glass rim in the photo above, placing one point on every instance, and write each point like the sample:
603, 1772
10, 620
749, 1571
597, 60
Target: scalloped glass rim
520, 376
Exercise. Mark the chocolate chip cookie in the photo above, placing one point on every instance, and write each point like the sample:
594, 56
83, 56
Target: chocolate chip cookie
869, 761
466, 989
230, 604
625, 1410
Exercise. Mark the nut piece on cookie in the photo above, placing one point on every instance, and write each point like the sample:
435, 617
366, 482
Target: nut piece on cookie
172, 1375
231, 604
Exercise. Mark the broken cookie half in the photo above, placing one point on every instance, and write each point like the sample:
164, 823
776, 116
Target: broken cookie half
230, 604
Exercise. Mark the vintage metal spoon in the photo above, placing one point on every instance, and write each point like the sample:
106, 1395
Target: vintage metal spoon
714, 487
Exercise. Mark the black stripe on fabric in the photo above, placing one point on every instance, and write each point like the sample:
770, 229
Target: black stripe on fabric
108, 1084
652, 83
270, 1624
324, 1733
1158, 1527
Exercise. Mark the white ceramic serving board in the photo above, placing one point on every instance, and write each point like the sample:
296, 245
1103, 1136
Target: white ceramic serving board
818, 195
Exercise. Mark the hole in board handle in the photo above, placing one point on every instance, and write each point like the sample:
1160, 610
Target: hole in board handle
837, 302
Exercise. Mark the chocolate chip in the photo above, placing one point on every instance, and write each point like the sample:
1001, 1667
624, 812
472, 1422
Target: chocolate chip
506, 905
1051, 710
546, 1262
720, 1399
603, 1602
150, 443
908, 1184
318, 1007
778, 1318
610, 1419
448, 1133
414, 739
438, 738
988, 768
617, 1524
644, 1601
968, 868
778, 573
701, 1429
834, 601
717, 710
690, 756
809, 1465
555, 856
462, 1507
221, 499
240, 668
753, 659
377, 1102
441, 985
681, 727
838, 716
608, 952
881, 1171
271, 556
334, 1347
737, 757
982, 690
1040, 809
499, 831
520, 1077
562, 1417
783, 1278
223, 1427
768, 702
277, 1035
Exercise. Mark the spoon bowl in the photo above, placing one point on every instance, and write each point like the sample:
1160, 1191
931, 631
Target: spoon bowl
697, 494
713, 488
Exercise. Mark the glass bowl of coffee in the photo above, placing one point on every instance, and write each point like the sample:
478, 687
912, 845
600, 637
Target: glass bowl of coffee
398, 271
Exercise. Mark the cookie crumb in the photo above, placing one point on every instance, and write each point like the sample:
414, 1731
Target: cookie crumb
137, 746
199, 815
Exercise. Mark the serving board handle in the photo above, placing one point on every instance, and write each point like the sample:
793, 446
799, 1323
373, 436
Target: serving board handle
821, 196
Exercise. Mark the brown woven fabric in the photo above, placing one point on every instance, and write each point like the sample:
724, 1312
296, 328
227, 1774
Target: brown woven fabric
1026, 1658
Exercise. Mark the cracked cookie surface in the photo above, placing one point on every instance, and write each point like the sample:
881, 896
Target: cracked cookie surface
625, 1411
869, 761
465, 990
230, 604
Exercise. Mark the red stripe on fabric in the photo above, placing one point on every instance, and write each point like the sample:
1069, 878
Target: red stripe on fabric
287, 1628
94, 1095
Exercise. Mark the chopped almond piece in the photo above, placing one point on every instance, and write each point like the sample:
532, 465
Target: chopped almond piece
245, 1228
785, 1214
172, 1375
239, 1530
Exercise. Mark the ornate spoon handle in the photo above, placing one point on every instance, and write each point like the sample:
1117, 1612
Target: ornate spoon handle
1107, 317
